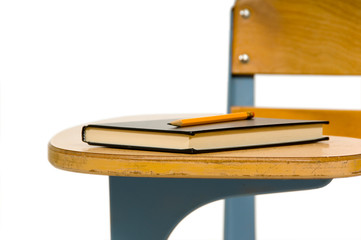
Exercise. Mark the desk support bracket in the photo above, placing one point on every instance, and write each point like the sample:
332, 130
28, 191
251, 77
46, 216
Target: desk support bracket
150, 208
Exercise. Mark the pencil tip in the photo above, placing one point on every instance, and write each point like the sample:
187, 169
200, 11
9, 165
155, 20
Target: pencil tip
177, 123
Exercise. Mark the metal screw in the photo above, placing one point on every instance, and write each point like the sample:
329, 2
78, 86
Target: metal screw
245, 13
244, 58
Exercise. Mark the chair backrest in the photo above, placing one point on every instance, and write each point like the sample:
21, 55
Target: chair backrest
296, 37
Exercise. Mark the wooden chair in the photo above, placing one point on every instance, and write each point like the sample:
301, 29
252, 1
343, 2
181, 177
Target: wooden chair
290, 37
151, 192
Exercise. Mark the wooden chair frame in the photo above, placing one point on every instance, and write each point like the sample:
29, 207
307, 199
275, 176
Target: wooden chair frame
287, 37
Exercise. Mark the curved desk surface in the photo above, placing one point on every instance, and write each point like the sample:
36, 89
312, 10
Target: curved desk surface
338, 157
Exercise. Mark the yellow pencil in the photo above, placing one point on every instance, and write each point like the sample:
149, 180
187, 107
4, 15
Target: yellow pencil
212, 119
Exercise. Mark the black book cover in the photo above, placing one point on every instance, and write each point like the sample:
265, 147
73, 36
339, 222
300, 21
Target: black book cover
163, 126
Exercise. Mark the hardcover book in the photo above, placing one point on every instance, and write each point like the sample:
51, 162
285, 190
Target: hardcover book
157, 135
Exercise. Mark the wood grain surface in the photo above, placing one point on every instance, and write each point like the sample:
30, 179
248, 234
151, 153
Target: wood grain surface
338, 157
298, 37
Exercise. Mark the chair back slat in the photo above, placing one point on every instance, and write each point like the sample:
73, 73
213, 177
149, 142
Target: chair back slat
297, 37
345, 123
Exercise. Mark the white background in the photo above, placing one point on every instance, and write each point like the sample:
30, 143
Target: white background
63, 63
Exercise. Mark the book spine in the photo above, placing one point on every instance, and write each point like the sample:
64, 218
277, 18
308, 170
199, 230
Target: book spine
83, 133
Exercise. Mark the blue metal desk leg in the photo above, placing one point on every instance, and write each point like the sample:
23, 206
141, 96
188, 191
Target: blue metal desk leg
239, 221
150, 208
239, 217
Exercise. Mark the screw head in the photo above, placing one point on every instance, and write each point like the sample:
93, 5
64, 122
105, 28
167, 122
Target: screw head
244, 58
245, 13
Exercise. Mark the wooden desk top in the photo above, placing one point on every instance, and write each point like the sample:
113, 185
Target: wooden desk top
338, 157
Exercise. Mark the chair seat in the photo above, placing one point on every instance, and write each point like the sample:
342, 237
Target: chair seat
337, 157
